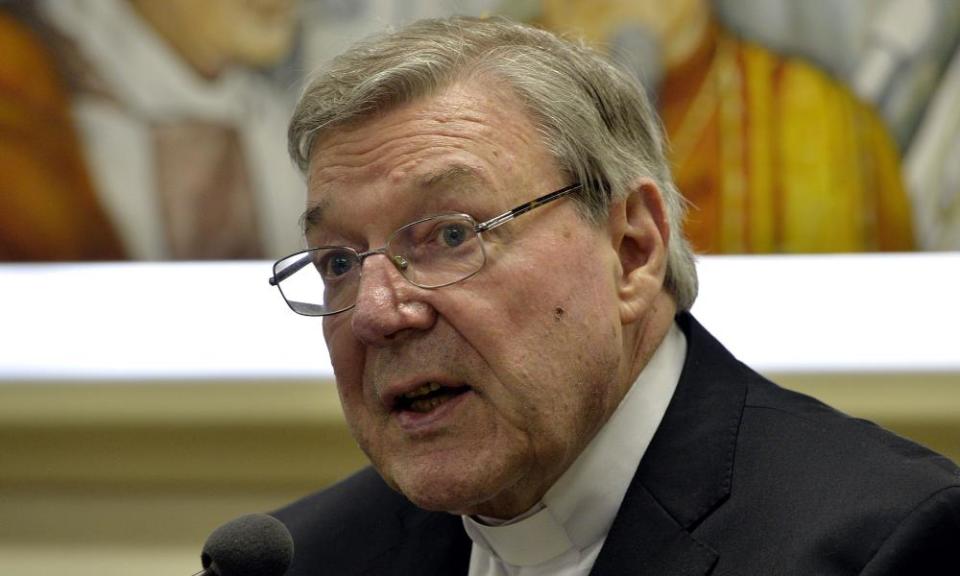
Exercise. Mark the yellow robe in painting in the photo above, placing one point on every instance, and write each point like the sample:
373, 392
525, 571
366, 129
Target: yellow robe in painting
774, 154
48, 207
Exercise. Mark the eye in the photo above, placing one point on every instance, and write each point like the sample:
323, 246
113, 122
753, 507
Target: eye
454, 234
335, 263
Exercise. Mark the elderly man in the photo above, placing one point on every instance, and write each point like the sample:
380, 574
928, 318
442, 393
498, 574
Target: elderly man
496, 255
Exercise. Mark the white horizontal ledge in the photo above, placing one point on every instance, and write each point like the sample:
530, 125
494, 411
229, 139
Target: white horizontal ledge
217, 320
835, 313
222, 320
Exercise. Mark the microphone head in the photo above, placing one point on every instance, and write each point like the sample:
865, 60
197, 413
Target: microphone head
251, 545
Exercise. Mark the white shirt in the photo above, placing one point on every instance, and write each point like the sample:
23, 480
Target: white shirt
563, 534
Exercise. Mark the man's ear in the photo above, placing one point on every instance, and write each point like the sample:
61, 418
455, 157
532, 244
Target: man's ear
640, 234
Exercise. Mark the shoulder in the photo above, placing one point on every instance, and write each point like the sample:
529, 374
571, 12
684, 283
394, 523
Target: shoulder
781, 431
791, 429
841, 491
333, 528
806, 489
362, 526
349, 508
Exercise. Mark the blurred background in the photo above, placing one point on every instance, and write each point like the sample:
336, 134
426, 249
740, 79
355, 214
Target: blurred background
153, 386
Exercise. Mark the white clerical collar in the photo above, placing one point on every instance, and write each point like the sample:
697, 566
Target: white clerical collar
579, 509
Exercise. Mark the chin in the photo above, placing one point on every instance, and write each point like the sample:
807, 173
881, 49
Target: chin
453, 489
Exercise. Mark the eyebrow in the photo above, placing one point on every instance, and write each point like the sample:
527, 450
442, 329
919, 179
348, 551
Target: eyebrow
313, 216
447, 175
443, 178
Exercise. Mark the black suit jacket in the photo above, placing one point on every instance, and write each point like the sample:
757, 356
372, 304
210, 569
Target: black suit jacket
742, 477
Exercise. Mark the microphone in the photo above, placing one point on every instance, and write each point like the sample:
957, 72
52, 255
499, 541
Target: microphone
251, 545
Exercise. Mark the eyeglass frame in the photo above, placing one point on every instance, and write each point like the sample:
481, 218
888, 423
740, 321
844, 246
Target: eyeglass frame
478, 229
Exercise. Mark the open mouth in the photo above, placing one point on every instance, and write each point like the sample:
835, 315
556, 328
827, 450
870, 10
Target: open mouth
428, 397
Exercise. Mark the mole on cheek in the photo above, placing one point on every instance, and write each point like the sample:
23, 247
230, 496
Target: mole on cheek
558, 313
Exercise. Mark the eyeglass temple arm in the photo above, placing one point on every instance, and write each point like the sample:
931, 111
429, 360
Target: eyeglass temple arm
524, 208
287, 272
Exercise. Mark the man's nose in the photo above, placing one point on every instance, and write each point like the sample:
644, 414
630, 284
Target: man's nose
387, 304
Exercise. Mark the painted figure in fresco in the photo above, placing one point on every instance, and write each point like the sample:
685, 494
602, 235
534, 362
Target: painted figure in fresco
176, 131
775, 155
48, 206
933, 165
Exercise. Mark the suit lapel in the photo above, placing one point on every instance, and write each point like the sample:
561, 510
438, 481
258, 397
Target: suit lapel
685, 473
645, 539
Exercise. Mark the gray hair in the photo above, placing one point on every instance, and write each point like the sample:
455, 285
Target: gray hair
594, 118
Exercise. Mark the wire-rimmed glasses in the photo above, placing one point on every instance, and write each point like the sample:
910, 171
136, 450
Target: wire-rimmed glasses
431, 252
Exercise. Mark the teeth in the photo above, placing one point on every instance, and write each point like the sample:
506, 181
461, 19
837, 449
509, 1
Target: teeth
422, 391
426, 404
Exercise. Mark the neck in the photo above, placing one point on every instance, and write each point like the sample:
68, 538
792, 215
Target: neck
642, 342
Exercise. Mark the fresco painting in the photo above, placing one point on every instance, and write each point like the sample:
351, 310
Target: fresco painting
155, 130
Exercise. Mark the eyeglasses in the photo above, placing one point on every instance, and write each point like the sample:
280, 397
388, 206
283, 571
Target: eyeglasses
432, 252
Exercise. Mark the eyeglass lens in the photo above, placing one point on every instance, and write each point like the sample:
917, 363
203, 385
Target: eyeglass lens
430, 253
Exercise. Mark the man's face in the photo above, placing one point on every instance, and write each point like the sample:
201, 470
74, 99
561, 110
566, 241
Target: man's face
527, 353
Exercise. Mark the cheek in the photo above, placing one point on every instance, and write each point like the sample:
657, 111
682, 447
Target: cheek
569, 326
533, 309
347, 358
549, 340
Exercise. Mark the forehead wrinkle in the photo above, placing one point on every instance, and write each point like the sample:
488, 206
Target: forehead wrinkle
462, 113
449, 116
400, 166
413, 139
398, 146
447, 179
424, 116
411, 163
